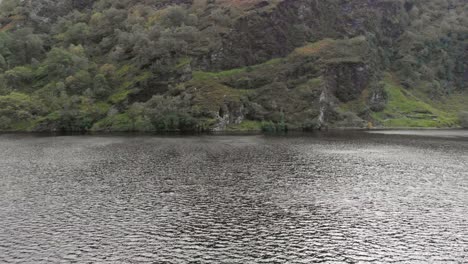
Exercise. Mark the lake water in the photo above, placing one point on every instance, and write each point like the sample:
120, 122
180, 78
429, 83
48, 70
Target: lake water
338, 197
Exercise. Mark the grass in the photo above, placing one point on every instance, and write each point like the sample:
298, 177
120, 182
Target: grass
312, 49
312, 87
125, 70
406, 110
334, 51
210, 95
183, 62
119, 96
201, 75
125, 88
411, 108
245, 126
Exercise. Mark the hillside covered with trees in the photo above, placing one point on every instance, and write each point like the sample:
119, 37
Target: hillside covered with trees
191, 65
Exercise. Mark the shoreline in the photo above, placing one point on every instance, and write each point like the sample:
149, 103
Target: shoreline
449, 132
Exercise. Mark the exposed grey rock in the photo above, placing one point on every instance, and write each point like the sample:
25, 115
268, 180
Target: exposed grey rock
263, 35
377, 98
230, 114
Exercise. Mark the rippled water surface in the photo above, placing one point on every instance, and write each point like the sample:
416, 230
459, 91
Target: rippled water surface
335, 198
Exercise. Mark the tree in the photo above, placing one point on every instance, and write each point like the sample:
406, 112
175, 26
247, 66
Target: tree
76, 34
135, 112
169, 114
19, 78
79, 82
24, 46
61, 63
176, 16
101, 87
9, 7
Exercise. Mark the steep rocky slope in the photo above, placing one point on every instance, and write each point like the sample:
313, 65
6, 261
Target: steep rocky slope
232, 65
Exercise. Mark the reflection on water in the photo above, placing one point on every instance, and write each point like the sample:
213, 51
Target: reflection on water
344, 198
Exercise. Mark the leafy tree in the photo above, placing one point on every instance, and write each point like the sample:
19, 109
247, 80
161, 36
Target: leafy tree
76, 34
19, 107
79, 82
9, 7
101, 87
19, 78
169, 114
135, 112
61, 63
24, 46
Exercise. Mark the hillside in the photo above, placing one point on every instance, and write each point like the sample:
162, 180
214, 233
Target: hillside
185, 65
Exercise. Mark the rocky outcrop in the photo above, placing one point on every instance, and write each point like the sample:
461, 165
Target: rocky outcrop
347, 80
262, 35
230, 113
377, 98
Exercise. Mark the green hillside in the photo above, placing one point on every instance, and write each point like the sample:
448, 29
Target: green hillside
182, 65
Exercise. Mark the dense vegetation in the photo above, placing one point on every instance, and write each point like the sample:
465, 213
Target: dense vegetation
145, 65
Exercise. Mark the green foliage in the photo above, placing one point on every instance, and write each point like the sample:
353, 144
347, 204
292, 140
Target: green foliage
246, 126
170, 114
8, 7
18, 109
19, 78
75, 34
433, 47
406, 110
161, 65
463, 116
21, 47
123, 123
62, 63
270, 127
135, 112
199, 75
335, 51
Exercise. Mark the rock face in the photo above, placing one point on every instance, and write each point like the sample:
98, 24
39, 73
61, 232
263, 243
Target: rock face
263, 35
231, 113
277, 31
377, 98
347, 80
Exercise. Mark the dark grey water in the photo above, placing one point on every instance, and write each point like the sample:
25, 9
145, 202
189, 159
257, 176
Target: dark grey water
331, 198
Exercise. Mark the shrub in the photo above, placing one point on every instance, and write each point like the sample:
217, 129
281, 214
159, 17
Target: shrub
268, 126
170, 114
5, 122
464, 119
271, 127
